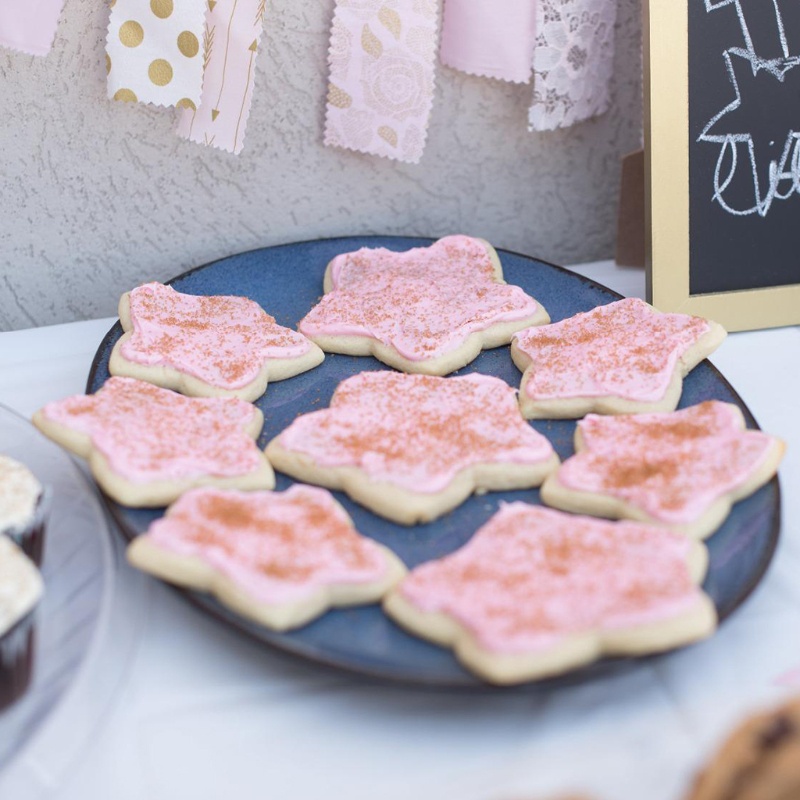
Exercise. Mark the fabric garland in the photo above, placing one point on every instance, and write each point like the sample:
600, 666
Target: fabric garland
199, 55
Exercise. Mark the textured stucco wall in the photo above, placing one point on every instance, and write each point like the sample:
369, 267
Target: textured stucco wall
99, 196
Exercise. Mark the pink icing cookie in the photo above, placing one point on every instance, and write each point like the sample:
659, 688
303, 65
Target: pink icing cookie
536, 592
682, 469
412, 447
206, 346
281, 559
429, 310
620, 358
147, 445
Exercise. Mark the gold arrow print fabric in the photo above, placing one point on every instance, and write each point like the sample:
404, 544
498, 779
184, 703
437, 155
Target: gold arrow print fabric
153, 51
229, 48
382, 61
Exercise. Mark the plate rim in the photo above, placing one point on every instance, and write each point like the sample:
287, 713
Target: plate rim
572, 677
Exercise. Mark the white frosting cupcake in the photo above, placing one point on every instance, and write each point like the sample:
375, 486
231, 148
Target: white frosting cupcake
20, 585
22, 507
19, 494
20, 590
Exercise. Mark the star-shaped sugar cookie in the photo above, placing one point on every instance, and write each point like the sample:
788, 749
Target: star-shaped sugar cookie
536, 592
624, 357
281, 559
429, 310
206, 346
147, 445
681, 469
412, 447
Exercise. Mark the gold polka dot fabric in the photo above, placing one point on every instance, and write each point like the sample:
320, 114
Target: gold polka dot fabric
153, 52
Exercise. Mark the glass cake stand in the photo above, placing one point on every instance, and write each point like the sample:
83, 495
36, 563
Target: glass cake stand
75, 674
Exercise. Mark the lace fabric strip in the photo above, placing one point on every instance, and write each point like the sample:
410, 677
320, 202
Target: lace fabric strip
573, 62
382, 72
153, 51
230, 44
29, 25
493, 38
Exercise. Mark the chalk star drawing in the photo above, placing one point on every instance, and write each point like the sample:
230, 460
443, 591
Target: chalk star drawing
767, 90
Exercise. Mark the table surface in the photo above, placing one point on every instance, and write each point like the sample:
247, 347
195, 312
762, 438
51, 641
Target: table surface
205, 713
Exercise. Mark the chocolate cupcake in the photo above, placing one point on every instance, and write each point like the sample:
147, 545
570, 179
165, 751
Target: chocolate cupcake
23, 507
20, 590
759, 761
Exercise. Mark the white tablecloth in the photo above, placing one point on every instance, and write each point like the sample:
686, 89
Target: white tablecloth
205, 713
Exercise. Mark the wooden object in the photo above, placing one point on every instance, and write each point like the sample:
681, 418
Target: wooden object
630, 222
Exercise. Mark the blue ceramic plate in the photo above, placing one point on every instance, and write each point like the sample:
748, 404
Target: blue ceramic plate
287, 281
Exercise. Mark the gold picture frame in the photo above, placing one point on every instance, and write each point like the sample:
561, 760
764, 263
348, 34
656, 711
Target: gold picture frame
667, 204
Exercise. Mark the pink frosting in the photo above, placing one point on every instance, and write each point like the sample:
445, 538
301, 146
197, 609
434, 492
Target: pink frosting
625, 349
223, 341
277, 547
417, 431
673, 466
151, 434
423, 303
532, 576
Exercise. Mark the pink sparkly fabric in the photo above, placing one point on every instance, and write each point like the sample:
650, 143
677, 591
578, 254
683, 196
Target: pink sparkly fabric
29, 25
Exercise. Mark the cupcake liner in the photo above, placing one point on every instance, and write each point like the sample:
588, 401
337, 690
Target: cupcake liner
30, 538
17, 655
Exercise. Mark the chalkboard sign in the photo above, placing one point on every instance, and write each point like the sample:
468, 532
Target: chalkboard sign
723, 159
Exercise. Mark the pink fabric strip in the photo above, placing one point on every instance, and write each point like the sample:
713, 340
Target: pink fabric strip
29, 25
382, 61
491, 38
230, 43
